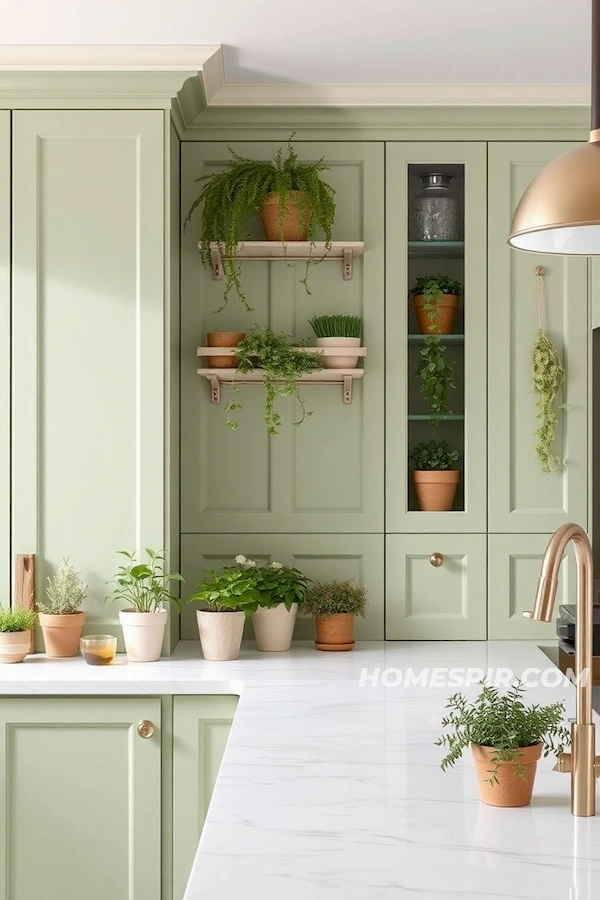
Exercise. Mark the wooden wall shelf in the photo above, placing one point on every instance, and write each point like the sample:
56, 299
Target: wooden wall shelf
271, 251
344, 377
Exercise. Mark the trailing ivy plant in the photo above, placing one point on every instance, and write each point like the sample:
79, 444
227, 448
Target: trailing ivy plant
432, 288
233, 195
503, 722
435, 456
436, 376
282, 362
548, 379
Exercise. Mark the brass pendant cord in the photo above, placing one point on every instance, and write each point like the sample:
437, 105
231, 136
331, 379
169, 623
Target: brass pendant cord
540, 272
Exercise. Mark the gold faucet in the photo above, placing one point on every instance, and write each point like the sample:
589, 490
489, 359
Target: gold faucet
581, 762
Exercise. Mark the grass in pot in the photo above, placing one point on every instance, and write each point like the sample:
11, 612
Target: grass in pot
507, 738
337, 331
294, 202
282, 589
146, 589
60, 617
229, 597
16, 625
434, 477
436, 299
334, 604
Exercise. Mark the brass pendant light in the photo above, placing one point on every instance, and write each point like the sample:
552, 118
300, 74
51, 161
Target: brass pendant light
560, 210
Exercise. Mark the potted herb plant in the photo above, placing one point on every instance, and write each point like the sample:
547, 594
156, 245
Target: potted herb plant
506, 737
337, 331
436, 299
146, 588
281, 589
334, 604
294, 201
60, 618
434, 477
229, 596
16, 625
282, 363
436, 376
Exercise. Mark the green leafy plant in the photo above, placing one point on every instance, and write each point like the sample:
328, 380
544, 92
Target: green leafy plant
548, 379
65, 591
436, 375
433, 287
143, 586
502, 722
15, 618
434, 456
233, 589
336, 326
282, 364
277, 584
233, 195
328, 598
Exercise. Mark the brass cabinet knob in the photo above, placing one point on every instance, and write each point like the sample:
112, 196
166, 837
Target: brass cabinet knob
145, 728
436, 560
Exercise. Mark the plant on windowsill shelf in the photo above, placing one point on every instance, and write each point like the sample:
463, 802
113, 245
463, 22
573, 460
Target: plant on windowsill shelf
506, 737
433, 476
16, 625
436, 377
282, 363
436, 299
60, 618
337, 331
334, 604
294, 201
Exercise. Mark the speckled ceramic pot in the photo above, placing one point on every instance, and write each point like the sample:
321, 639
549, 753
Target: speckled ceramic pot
512, 789
220, 633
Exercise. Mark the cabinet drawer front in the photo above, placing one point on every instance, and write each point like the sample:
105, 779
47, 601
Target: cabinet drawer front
429, 602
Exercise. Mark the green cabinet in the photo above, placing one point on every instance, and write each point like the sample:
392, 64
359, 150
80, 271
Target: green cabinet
5, 279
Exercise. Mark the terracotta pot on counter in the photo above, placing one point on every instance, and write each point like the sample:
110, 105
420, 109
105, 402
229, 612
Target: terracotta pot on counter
335, 632
296, 217
220, 633
274, 627
14, 646
61, 633
227, 339
515, 779
442, 319
435, 489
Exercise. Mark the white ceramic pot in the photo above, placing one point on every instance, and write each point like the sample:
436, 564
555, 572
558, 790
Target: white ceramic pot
220, 633
14, 646
273, 628
143, 633
339, 362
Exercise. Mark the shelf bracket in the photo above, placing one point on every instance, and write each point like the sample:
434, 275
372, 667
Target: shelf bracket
215, 389
217, 264
347, 389
347, 264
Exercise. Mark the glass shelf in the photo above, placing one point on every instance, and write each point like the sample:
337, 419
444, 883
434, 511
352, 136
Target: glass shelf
436, 249
428, 418
446, 338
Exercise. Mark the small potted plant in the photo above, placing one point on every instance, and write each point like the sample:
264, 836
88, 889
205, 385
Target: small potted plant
337, 331
227, 339
16, 625
294, 202
434, 477
334, 604
146, 589
436, 299
229, 596
506, 738
60, 618
282, 363
281, 589
436, 376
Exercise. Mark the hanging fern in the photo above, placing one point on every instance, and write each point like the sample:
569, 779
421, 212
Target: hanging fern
548, 379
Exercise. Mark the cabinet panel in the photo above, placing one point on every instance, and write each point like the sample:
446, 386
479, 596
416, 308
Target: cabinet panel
320, 556
80, 791
244, 481
522, 498
514, 567
201, 727
5, 275
88, 332
425, 602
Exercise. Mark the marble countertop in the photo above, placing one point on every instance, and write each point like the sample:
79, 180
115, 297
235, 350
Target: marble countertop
329, 789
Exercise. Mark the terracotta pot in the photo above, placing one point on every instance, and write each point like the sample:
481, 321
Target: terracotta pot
339, 362
143, 633
443, 318
296, 217
512, 789
274, 627
223, 339
335, 632
436, 490
61, 633
14, 646
220, 633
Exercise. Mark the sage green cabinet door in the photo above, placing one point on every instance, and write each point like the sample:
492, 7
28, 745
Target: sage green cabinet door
322, 557
80, 794
5, 276
514, 568
404, 263
522, 498
426, 602
325, 475
88, 361
201, 728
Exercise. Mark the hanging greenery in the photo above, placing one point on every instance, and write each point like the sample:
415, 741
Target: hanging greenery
436, 376
548, 379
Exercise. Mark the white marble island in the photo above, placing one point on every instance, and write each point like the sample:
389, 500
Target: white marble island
328, 789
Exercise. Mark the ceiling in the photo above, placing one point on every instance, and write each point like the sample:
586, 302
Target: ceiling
335, 41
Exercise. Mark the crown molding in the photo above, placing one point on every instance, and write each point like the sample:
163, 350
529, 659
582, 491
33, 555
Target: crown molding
106, 57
